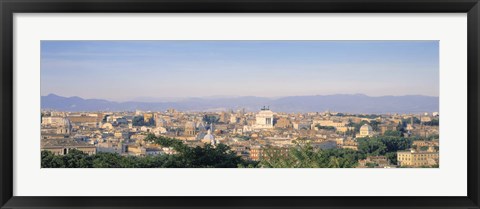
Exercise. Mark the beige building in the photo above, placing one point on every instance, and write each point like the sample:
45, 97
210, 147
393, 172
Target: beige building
283, 123
413, 158
422, 143
107, 126
340, 125
190, 129
264, 119
86, 118
147, 117
333, 123
384, 128
234, 119
53, 121
120, 135
425, 119
258, 153
65, 145
298, 125
374, 162
136, 150
350, 144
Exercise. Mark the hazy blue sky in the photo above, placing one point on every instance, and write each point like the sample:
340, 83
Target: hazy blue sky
125, 70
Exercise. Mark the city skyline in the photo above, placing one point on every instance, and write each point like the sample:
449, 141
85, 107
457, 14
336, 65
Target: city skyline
129, 70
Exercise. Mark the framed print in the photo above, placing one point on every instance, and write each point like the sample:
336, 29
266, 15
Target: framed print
233, 104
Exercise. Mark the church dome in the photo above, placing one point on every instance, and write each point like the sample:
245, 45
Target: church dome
366, 128
66, 123
210, 138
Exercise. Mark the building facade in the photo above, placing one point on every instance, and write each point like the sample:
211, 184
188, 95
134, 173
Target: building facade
413, 158
264, 119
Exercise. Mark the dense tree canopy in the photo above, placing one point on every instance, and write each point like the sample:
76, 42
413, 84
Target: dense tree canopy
305, 156
186, 157
433, 122
325, 127
140, 121
383, 145
393, 133
210, 119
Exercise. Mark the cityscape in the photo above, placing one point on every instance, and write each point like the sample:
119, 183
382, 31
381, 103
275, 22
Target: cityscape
224, 104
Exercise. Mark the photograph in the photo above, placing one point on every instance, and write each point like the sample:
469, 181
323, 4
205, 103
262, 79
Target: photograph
239, 104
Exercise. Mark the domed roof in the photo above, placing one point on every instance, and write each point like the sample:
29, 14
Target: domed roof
66, 122
366, 127
209, 136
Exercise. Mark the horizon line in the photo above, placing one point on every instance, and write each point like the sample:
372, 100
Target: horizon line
230, 96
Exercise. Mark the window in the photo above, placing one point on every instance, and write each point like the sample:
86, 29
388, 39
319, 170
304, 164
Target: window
268, 121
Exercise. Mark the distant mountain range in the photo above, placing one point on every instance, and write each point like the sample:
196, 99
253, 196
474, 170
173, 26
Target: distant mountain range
348, 103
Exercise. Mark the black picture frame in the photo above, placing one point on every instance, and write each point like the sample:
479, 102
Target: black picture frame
10, 7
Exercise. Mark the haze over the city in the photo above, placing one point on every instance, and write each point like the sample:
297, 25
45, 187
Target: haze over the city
146, 70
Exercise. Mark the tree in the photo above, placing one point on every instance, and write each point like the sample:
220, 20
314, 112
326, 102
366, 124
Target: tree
210, 119
325, 127
301, 156
77, 159
433, 137
401, 127
371, 165
396, 143
49, 160
392, 133
374, 125
138, 121
208, 156
369, 116
409, 121
305, 156
245, 138
108, 160
371, 146
166, 142
392, 156
220, 156
384, 145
